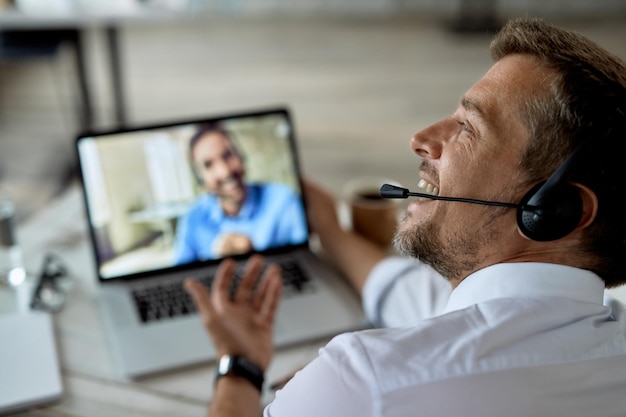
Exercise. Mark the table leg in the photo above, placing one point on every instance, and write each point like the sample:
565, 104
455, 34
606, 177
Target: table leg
113, 43
86, 119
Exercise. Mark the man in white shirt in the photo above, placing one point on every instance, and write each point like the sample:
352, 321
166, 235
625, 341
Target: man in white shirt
518, 327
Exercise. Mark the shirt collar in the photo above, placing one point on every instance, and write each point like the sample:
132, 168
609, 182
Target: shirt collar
527, 279
249, 204
215, 211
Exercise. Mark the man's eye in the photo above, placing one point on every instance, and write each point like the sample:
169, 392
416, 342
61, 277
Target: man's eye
228, 154
465, 127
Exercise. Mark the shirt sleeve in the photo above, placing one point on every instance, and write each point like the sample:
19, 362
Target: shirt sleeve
182, 251
401, 291
297, 227
337, 383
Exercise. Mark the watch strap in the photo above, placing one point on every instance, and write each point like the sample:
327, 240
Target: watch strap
242, 367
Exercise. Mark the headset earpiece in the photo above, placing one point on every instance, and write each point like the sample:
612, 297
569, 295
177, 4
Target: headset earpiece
550, 210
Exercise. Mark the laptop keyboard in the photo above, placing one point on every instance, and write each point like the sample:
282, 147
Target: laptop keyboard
167, 300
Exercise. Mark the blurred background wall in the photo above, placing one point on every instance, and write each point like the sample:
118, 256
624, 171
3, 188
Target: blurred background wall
555, 8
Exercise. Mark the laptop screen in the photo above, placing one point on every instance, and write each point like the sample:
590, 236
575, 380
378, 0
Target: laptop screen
176, 194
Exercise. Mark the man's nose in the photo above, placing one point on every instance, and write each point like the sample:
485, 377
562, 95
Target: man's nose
428, 143
222, 169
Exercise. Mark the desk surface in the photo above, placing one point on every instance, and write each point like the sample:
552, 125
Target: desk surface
92, 386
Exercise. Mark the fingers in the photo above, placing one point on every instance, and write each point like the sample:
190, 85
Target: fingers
264, 299
201, 298
251, 273
268, 296
223, 280
232, 243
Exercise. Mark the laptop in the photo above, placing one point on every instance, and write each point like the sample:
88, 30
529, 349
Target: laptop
140, 190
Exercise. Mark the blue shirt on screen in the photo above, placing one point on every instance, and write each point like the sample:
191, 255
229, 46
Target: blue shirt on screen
272, 215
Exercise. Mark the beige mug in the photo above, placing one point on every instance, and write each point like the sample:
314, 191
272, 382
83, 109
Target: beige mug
371, 216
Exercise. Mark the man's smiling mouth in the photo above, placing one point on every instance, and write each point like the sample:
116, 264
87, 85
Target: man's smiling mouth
428, 187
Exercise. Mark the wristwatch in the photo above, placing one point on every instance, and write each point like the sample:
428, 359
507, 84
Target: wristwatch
243, 367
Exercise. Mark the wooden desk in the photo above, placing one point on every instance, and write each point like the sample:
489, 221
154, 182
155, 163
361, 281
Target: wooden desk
92, 386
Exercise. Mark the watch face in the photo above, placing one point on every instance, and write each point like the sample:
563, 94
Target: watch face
224, 365
240, 366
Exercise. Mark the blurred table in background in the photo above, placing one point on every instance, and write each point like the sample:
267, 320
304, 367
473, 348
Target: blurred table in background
40, 27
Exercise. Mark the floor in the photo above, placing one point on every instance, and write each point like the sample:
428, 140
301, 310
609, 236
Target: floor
358, 87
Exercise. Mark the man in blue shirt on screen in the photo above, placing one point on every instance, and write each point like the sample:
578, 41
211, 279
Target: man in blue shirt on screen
234, 217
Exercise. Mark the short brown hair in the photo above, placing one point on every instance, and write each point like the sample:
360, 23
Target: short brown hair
586, 101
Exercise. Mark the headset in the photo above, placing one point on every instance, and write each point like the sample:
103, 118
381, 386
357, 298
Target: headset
552, 209
549, 211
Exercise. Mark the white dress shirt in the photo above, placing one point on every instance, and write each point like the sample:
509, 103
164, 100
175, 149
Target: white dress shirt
518, 339
403, 290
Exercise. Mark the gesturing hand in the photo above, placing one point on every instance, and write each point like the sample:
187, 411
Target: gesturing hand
243, 324
232, 244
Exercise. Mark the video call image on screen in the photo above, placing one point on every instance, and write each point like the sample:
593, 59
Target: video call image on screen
151, 206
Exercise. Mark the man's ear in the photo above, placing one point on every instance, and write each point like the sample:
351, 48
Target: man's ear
590, 205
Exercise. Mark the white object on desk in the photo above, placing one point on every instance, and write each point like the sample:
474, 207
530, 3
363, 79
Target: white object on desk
29, 366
